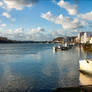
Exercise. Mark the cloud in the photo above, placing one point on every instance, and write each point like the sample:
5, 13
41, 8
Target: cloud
17, 34
3, 25
72, 9
19, 4
65, 22
36, 30
8, 16
1, 4
5, 14
86, 16
37, 34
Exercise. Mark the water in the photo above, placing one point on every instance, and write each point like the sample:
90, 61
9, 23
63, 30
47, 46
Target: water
36, 68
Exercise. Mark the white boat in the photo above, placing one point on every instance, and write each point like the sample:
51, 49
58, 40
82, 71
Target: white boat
56, 48
85, 66
61, 47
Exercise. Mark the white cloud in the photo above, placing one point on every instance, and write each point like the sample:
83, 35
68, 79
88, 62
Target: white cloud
17, 34
37, 34
66, 22
86, 16
5, 14
19, 4
8, 16
3, 25
72, 9
1, 4
36, 30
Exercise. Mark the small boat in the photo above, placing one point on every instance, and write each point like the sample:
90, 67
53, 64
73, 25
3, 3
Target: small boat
85, 66
65, 48
55, 48
62, 47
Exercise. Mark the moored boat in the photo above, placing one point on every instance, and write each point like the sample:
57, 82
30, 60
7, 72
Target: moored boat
85, 66
62, 47
55, 48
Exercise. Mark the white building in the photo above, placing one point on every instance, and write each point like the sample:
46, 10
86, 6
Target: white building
85, 37
91, 40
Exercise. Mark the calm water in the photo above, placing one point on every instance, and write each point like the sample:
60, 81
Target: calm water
36, 68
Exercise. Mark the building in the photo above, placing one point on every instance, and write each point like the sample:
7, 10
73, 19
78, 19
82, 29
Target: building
84, 37
91, 40
71, 39
80, 37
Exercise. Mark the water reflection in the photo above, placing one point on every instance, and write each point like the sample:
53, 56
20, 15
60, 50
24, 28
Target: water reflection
85, 79
68, 75
37, 68
11, 82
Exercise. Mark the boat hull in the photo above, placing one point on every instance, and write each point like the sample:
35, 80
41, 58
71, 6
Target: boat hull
60, 48
85, 66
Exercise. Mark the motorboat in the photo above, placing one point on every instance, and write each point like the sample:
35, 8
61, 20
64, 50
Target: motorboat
85, 66
56, 48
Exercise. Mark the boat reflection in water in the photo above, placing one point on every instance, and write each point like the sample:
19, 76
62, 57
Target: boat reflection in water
85, 79
85, 82
85, 68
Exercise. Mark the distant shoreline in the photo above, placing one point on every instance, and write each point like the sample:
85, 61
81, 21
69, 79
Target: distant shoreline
11, 41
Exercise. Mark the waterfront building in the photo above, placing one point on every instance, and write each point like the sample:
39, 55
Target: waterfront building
91, 40
84, 37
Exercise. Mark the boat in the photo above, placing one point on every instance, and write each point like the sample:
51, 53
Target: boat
56, 48
85, 66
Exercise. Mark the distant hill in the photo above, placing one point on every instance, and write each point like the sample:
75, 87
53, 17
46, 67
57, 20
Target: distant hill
6, 40
65, 39
59, 39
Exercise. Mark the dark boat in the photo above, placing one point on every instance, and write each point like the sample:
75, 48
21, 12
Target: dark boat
61, 47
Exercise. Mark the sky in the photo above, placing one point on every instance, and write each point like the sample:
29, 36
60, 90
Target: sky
44, 19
